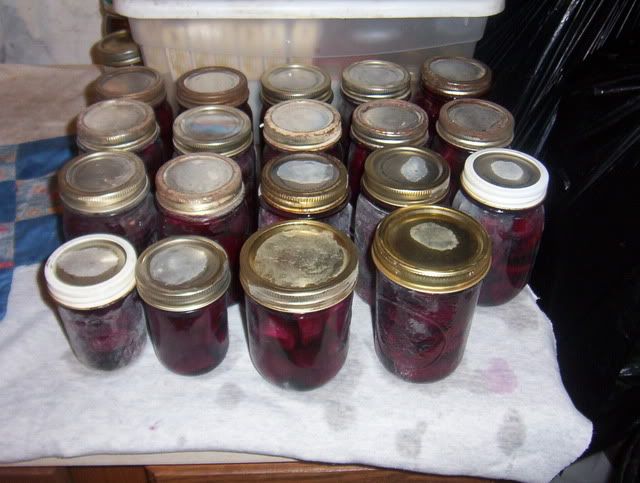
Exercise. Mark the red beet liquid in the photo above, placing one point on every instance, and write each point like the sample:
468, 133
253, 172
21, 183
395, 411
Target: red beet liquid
346, 113
269, 152
248, 165
153, 156
339, 219
245, 107
358, 154
431, 103
455, 157
164, 116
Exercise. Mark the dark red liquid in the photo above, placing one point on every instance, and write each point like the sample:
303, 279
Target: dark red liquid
431, 103
153, 156
269, 152
164, 116
244, 107
346, 113
248, 165
358, 154
455, 158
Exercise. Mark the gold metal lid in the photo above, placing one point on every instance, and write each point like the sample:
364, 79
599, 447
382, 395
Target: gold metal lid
402, 176
117, 124
118, 49
456, 76
295, 81
305, 183
201, 184
432, 249
475, 124
140, 83
218, 129
368, 80
389, 122
302, 125
214, 85
103, 182
182, 273
298, 266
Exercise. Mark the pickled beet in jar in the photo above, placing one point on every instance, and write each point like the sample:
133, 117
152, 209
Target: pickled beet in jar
305, 185
430, 262
393, 178
108, 192
203, 194
504, 189
298, 278
92, 281
117, 49
182, 282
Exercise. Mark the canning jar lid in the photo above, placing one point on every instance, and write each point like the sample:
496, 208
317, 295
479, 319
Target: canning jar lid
389, 122
118, 49
182, 273
215, 85
456, 76
403, 175
298, 266
505, 178
475, 124
305, 183
103, 182
431, 249
295, 81
117, 124
302, 125
219, 129
91, 271
375, 79
201, 184
140, 83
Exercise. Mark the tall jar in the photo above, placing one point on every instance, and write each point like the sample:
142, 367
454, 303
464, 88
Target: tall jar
393, 178
305, 185
108, 192
504, 189
430, 262
379, 124
298, 278
117, 49
92, 282
182, 282
122, 125
302, 125
203, 194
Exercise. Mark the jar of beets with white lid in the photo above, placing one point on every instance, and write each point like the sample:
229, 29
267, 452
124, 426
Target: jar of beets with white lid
92, 281
298, 278
183, 282
430, 263
393, 178
108, 192
504, 190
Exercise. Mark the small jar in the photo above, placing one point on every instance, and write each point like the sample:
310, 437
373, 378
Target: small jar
141, 84
122, 125
203, 194
504, 189
469, 125
213, 86
182, 282
302, 125
298, 278
430, 262
111, 21
446, 78
393, 178
305, 185
92, 281
379, 124
108, 192
117, 49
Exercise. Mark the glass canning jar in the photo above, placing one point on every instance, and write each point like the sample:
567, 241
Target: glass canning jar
203, 194
305, 185
117, 49
108, 192
298, 278
379, 124
122, 125
504, 189
92, 281
430, 262
393, 178
182, 282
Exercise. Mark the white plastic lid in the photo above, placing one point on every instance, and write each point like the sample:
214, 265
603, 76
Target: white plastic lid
505, 179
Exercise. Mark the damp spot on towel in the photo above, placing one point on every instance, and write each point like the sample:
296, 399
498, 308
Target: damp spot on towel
512, 432
230, 395
409, 441
338, 415
182, 441
154, 426
499, 378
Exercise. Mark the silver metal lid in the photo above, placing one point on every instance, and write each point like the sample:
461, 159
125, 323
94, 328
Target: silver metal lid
118, 49
456, 76
368, 80
215, 85
136, 82
295, 81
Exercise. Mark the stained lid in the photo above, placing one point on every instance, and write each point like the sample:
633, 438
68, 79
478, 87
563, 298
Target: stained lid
298, 266
368, 80
456, 76
218, 129
136, 82
118, 49
183, 273
475, 124
295, 81
91, 271
402, 176
215, 85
